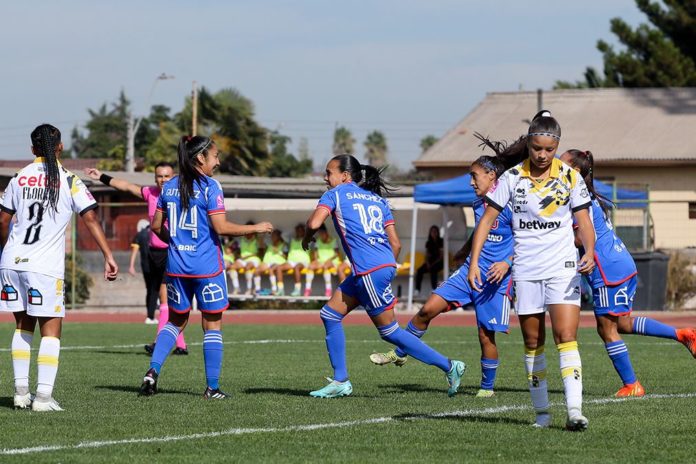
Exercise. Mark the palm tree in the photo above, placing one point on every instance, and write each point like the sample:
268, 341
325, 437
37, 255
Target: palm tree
376, 145
427, 142
343, 141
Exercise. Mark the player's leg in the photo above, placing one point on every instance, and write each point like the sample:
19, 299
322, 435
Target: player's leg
280, 270
297, 274
492, 315
47, 363
21, 358
151, 292
260, 269
233, 273
328, 287
249, 274
211, 294
309, 279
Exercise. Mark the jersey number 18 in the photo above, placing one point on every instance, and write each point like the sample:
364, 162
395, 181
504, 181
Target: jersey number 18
371, 218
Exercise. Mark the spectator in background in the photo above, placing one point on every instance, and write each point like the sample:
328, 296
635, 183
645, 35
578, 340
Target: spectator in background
433, 259
139, 246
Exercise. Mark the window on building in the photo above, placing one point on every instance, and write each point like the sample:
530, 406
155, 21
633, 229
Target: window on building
692, 210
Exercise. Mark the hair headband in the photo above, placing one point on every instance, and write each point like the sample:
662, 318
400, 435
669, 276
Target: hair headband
544, 134
205, 147
486, 164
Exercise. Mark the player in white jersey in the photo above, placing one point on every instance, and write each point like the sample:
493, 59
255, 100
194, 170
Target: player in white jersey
42, 197
545, 195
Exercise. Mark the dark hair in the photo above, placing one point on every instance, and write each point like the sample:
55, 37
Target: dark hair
544, 124
437, 240
371, 179
584, 162
45, 139
165, 164
490, 164
189, 147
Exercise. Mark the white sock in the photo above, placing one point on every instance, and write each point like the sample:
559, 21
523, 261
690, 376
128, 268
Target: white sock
327, 279
21, 356
249, 276
274, 282
310, 279
49, 351
234, 276
257, 282
535, 363
571, 371
298, 286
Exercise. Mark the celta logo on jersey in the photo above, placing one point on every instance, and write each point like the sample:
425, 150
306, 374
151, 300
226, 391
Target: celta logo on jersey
32, 181
536, 224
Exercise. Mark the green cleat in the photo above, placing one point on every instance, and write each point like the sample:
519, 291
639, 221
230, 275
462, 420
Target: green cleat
390, 357
334, 389
485, 393
454, 376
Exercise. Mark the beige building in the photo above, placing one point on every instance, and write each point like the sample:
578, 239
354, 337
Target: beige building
640, 139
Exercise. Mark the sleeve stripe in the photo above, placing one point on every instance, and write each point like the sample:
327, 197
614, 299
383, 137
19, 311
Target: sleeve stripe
325, 207
390, 222
7, 210
216, 211
91, 207
159, 209
581, 207
495, 205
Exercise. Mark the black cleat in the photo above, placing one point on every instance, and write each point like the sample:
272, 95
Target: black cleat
216, 394
180, 352
149, 349
149, 386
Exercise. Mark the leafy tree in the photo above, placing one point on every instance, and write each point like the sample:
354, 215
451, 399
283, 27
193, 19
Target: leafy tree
164, 147
343, 141
283, 163
427, 142
376, 145
106, 130
83, 281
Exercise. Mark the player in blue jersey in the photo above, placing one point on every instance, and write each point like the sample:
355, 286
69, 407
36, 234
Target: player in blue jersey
365, 226
492, 305
193, 204
614, 282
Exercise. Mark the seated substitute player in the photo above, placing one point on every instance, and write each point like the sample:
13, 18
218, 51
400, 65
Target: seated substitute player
327, 256
250, 247
614, 282
368, 235
493, 303
275, 262
298, 260
41, 197
194, 206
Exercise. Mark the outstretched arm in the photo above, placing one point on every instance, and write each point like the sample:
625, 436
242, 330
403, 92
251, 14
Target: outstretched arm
118, 184
222, 226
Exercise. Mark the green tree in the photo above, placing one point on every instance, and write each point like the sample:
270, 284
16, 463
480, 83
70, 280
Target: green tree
659, 56
283, 163
106, 131
376, 145
427, 142
343, 141
164, 147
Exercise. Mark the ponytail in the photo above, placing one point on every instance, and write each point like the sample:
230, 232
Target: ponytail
189, 148
46, 139
366, 176
583, 161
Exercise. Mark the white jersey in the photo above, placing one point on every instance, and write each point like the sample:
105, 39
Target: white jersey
37, 240
542, 219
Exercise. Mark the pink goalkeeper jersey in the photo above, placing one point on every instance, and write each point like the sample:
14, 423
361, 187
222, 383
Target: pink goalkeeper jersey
151, 194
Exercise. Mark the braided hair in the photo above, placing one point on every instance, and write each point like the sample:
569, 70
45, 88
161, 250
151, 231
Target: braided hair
46, 141
366, 176
189, 148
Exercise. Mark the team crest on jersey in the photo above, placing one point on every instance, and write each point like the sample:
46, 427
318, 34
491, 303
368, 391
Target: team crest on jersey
173, 294
9, 293
621, 297
212, 293
34, 297
220, 201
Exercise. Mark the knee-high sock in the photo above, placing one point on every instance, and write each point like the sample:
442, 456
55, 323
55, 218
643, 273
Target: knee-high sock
413, 346
49, 352
163, 345
571, 371
274, 284
163, 317
415, 331
180, 342
535, 364
21, 356
212, 355
257, 283
309, 278
327, 280
335, 342
249, 277
234, 277
489, 369
618, 353
653, 328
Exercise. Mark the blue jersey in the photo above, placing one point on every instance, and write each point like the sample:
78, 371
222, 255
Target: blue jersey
360, 218
614, 263
194, 247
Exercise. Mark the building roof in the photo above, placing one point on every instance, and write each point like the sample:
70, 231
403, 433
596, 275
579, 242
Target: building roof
619, 126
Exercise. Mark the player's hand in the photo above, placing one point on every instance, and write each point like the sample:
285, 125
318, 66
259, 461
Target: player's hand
131, 270
586, 264
264, 228
474, 277
110, 268
306, 243
93, 173
497, 272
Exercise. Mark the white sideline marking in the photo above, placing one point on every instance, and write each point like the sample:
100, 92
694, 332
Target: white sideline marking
310, 427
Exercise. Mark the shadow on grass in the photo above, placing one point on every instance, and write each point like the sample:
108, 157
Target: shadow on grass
136, 390
465, 418
277, 391
7, 403
122, 352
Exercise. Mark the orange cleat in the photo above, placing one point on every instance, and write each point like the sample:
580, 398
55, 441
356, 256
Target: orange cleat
687, 337
631, 390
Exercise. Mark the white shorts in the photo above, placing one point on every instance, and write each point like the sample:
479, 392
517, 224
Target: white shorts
295, 263
534, 296
37, 294
254, 260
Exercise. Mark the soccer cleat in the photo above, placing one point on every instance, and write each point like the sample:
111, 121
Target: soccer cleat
482, 393
149, 349
454, 377
308, 292
577, 423
334, 389
23, 401
295, 292
149, 386
688, 338
151, 320
214, 394
543, 420
390, 357
44, 406
180, 351
247, 292
632, 389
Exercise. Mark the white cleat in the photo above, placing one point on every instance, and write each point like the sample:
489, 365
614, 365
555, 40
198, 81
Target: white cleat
23, 401
577, 423
41, 406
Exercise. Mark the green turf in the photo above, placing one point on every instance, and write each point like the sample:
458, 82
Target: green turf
269, 383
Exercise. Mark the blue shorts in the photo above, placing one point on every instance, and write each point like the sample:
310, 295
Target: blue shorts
492, 304
210, 293
373, 290
616, 300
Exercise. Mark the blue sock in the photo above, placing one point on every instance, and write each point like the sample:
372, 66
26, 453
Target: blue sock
652, 328
166, 339
618, 353
489, 369
415, 331
413, 346
335, 342
212, 356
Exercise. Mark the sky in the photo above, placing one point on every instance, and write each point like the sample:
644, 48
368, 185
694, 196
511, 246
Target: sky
407, 68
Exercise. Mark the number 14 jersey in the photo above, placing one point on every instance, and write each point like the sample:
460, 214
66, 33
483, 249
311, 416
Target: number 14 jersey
37, 241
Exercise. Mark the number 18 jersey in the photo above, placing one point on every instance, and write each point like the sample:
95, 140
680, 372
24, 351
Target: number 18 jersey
360, 218
37, 241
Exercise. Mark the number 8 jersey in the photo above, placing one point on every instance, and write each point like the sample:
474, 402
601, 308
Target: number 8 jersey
360, 217
37, 241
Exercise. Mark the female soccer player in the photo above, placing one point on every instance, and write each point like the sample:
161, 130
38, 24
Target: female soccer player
42, 197
545, 195
327, 257
493, 303
368, 235
194, 206
249, 259
275, 262
614, 282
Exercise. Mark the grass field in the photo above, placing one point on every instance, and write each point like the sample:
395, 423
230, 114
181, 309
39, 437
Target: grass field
395, 414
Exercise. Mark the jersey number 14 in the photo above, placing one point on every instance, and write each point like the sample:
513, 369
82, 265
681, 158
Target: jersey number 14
187, 221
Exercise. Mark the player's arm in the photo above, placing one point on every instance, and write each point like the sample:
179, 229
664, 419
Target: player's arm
222, 226
118, 184
92, 223
498, 270
5, 219
587, 237
313, 223
480, 236
135, 248
394, 241
158, 228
